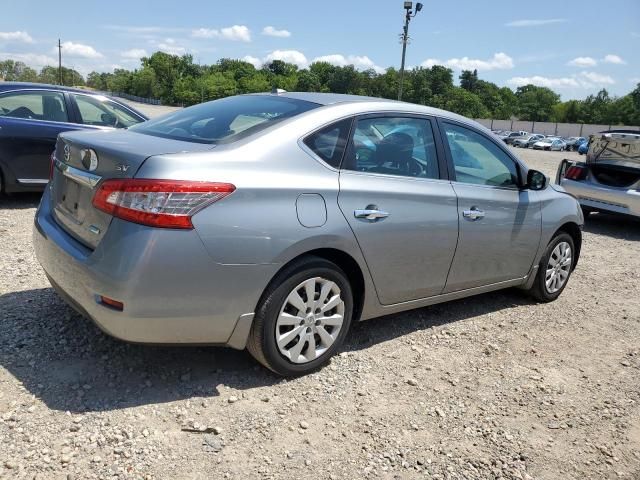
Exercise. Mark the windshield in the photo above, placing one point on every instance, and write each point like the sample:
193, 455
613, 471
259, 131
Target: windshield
225, 120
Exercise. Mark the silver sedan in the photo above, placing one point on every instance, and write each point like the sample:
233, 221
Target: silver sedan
275, 221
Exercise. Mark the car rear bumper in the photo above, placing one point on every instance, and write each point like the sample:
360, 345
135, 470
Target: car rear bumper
172, 291
615, 200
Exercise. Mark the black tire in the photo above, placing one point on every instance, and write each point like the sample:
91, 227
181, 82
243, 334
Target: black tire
262, 343
539, 289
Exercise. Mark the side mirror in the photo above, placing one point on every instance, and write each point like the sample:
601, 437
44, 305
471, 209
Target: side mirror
536, 180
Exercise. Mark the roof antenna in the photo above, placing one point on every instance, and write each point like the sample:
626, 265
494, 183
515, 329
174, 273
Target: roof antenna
275, 90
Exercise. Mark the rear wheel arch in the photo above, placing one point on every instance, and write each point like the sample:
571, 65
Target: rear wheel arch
341, 259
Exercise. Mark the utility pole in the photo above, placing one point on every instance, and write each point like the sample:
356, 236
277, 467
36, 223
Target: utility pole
59, 62
404, 38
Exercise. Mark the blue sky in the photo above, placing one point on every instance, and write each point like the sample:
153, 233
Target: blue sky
575, 47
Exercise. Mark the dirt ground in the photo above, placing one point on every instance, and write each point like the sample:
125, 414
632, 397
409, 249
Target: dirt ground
494, 386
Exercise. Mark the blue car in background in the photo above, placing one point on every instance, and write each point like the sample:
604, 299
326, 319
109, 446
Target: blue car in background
31, 117
583, 148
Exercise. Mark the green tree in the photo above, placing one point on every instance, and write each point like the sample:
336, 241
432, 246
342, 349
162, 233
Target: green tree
463, 102
469, 80
536, 103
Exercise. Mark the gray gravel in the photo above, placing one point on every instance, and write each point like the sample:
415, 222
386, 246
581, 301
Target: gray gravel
488, 387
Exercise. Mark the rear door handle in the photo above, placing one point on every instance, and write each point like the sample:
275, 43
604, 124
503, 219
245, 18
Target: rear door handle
474, 213
370, 213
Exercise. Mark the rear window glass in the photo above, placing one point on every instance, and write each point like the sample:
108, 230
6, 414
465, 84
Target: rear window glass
225, 120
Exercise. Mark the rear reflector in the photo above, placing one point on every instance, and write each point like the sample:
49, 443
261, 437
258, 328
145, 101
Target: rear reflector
110, 302
158, 203
575, 172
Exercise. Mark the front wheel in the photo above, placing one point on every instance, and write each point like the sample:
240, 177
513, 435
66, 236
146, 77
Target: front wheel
302, 318
554, 269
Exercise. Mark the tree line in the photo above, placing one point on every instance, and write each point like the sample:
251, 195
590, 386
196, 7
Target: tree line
177, 80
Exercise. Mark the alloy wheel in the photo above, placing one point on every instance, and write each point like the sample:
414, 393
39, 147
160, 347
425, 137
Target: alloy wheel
558, 267
310, 320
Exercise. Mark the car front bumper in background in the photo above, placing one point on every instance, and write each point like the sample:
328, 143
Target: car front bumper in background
172, 290
615, 200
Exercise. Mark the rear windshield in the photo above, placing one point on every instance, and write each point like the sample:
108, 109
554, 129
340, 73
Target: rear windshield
225, 120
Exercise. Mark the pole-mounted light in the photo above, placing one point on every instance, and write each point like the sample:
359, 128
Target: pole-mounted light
404, 38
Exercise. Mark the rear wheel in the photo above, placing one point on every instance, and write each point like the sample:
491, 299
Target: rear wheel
554, 269
302, 318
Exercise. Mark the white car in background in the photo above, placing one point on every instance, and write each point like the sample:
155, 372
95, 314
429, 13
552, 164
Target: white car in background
550, 144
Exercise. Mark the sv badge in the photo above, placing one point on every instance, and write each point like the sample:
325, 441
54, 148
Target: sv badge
121, 167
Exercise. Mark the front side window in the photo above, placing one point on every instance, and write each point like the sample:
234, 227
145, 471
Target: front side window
478, 160
330, 142
48, 106
102, 112
393, 146
225, 120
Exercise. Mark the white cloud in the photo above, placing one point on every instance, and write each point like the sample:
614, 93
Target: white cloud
18, 36
359, 62
171, 47
615, 59
583, 62
255, 61
499, 61
597, 78
544, 81
33, 60
134, 53
290, 56
581, 80
78, 50
239, 33
535, 23
272, 32
140, 30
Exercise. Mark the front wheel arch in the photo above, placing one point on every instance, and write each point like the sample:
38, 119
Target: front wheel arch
574, 231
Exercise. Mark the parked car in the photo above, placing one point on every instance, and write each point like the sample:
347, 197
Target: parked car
31, 117
265, 221
574, 142
508, 137
550, 144
527, 140
609, 180
583, 148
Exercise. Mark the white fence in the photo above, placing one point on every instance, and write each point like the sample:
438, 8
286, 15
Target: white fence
550, 128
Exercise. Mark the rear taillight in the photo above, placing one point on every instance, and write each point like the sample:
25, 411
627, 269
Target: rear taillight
158, 203
52, 164
575, 172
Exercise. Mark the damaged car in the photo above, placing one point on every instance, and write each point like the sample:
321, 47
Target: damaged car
609, 179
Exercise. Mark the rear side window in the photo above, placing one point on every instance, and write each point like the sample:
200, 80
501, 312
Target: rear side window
102, 112
402, 146
42, 105
226, 120
330, 142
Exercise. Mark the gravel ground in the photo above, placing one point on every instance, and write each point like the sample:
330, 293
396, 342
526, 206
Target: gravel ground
493, 386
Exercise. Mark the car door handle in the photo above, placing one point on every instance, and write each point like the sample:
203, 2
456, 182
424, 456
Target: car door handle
473, 213
371, 213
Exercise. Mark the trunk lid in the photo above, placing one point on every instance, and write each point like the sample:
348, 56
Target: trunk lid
120, 154
622, 149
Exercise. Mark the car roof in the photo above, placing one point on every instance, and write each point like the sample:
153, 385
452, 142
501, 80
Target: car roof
328, 99
41, 86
